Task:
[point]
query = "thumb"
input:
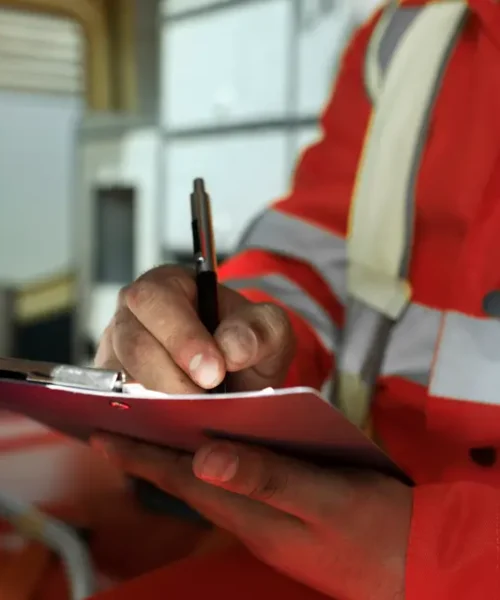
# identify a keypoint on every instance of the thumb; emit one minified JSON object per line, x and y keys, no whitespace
{"x":258,"y":345}
{"x":290,"y":486}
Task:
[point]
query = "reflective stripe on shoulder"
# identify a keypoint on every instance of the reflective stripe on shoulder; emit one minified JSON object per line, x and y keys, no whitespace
{"x":285,"y":235}
{"x":392,"y":26}
{"x":298,"y":300}
{"x":382,"y":210}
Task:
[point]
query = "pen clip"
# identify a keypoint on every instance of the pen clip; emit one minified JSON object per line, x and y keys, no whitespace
{"x":202,"y":229}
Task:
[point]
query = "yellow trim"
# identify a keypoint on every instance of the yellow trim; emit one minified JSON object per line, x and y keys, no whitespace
{"x":38,"y":301}
{"x":30,"y":523}
{"x":359,"y":172}
{"x":126,"y":61}
{"x":90,"y":15}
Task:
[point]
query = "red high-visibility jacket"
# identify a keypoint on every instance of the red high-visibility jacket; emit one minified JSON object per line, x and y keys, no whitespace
{"x":449,"y":446}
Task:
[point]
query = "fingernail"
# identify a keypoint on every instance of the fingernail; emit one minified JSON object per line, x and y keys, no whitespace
{"x":205,"y":371}
{"x":216,"y":465}
{"x":239,"y":344}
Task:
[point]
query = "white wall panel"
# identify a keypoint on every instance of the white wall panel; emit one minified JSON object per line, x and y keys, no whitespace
{"x":140,"y":164}
{"x":131,"y":158}
{"x":171,"y":8}
{"x":227,"y":66}
{"x":325,"y":28}
{"x":304,"y":137}
{"x":243,"y":174}
{"x":37,"y":191}
{"x":322,"y":37}
{"x":362,"y":9}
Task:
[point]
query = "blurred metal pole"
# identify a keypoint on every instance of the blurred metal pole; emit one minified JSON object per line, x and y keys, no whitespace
{"x":57,"y":536}
{"x":7,"y":318}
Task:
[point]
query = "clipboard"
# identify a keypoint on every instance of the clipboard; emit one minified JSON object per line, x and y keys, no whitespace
{"x":297,"y":422}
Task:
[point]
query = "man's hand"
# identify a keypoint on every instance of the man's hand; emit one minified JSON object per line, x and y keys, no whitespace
{"x":157,"y":338}
{"x":344,"y":534}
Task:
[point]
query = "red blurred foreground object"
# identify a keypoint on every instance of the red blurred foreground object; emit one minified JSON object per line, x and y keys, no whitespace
{"x":230,"y":573}
{"x":73,"y":483}
{"x":136,"y":554}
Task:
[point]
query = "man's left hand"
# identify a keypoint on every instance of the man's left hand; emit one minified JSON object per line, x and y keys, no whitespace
{"x":342,"y":533}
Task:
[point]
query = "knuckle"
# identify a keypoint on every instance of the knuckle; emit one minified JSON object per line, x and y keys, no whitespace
{"x":177,"y":476}
{"x":122,"y":296}
{"x":104,"y":354}
{"x":159,"y":285}
{"x":139,"y":350}
{"x":106,"y":334}
{"x":134,"y":346}
{"x":273,"y":485}
{"x":140,"y":294}
{"x":182,"y":282}
{"x":275,"y":321}
{"x":121,"y":318}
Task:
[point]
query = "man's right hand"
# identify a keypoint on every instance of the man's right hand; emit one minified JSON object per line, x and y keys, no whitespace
{"x":158,"y":339}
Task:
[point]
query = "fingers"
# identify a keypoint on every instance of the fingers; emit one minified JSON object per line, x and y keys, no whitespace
{"x":257,"y":337}
{"x":165,"y":308}
{"x":105,"y":357}
{"x":168,"y":470}
{"x":157,"y":337}
{"x":289,"y":486}
{"x":173,"y":473}
{"x":144,"y":358}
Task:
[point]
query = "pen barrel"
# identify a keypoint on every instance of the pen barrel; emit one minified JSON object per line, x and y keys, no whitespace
{"x":208,"y":309}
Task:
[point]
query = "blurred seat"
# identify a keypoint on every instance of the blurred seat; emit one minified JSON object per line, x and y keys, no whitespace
{"x":38,"y":319}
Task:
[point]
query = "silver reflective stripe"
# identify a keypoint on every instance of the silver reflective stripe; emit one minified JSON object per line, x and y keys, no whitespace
{"x":388,"y":33}
{"x":411,"y":347}
{"x":467,"y":365}
{"x":293,"y":296}
{"x":410,"y":353}
{"x":282,"y":234}
{"x":398,"y":25}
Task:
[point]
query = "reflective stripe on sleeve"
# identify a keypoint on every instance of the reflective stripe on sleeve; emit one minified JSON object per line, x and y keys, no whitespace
{"x":285,"y":235}
{"x":410,"y":353}
{"x":411,"y":347}
{"x":455,"y":355}
{"x":300,"y":302}
{"x":467,"y":365}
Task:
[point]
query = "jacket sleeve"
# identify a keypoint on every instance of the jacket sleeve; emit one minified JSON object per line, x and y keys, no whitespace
{"x":454,"y":549}
{"x":294,"y":253}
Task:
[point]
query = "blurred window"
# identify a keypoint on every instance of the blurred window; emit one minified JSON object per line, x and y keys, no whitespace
{"x":114,"y":250}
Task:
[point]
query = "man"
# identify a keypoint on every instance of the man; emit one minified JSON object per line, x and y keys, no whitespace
{"x":356,"y":536}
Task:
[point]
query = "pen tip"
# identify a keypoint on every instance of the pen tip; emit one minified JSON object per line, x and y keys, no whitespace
{"x":199,"y":185}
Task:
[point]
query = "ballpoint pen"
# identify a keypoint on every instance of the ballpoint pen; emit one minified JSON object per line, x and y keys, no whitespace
{"x":205,"y":259}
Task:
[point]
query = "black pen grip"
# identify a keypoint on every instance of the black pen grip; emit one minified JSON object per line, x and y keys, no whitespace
{"x":208,"y":309}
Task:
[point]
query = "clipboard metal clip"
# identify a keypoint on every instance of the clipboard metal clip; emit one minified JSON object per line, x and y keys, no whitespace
{"x":42,"y":373}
